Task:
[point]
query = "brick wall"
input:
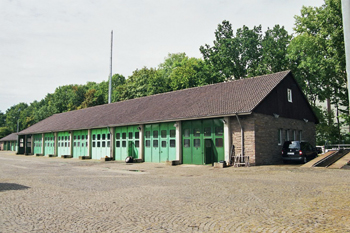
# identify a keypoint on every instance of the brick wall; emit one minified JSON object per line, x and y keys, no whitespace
{"x":261,"y":136}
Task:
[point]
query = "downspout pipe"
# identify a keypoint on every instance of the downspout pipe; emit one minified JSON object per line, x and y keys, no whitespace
{"x":242,"y":135}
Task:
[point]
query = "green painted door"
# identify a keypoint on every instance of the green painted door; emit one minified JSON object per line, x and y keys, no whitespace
{"x":203,"y":141}
{"x":101,"y":141}
{"x":38,"y":144}
{"x":218,"y":140}
{"x":147,"y":144}
{"x":49,"y":144}
{"x":80,"y":143}
{"x":155,"y":144}
{"x":63,"y":143}
{"x":197,"y":141}
{"x":160,"y":144}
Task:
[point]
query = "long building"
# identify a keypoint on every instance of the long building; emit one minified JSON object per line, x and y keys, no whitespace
{"x":9,"y":142}
{"x":201,"y":125}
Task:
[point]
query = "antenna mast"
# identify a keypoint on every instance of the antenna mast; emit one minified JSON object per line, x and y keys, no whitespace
{"x":110,"y":74}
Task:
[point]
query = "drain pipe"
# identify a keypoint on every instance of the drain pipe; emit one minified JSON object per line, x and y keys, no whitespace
{"x":242,"y":135}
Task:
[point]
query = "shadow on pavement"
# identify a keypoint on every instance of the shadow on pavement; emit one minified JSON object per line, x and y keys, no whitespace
{"x":12,"y":186}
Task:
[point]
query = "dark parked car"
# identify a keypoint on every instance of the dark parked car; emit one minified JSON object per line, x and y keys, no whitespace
{"x":298,"y":151}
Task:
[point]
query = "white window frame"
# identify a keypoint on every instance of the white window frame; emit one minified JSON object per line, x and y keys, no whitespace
{"x":289,"y":95}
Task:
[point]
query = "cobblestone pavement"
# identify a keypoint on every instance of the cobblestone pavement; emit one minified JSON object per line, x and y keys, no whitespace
{"x":40,"y":194}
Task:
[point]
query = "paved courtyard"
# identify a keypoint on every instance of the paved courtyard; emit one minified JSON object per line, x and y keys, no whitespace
{"x":40,"y":194}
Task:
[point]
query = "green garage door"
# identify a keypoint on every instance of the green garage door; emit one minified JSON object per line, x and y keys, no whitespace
{"x":80,"y":143}
{"x":49,"y":144}
{"x":203,"y":141}
{"x":38,"y":144}
{"x":127,"y":142}
{"x":101,"y":140}
{"x":159,"y":142}
{"x":63,"y":143}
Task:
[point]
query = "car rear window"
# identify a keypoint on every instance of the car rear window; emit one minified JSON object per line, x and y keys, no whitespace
{"x":292,"y":145}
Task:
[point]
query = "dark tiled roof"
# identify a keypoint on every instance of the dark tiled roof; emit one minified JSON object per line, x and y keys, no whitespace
{"x":239,"y":96}
{"x":10,"y":137}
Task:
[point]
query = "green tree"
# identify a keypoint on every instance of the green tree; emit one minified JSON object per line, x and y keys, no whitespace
{"x":4,"y":131}
{"x":15,"y":114}
{"x":248,"y":52}
{"x":2,"y":119}
{"x":318,"y":59}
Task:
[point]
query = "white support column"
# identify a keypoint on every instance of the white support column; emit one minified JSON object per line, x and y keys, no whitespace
{"x":112,"y":143}
{"x":55,"y":144}
{"x":71,"y":143}
{"x":178,"y":142}
{"x":227,"y":139}
{"x":141,"y":144}
{"x":89,"y":144}
{"x":42,"y":144}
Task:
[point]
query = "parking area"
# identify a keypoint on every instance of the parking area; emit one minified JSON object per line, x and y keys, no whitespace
{"x":41,"y":194}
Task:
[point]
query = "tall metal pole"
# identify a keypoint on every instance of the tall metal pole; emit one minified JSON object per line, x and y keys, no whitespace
{"x":110,"y":74}
{"x":346,"y":27}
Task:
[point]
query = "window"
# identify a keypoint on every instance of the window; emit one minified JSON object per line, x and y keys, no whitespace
{"x":108,"y":144}
{"x":289,"y":95}
{"x":123,"y":143}
{"x":287,"y":135}
{"x":130,"y":135}
{"x":103,"y":136}
{"x":137,"y":135}
{"x":148,"y":134}
{"x":65,"y":138}
{"x":117,"y":143}
{"x":123,"y":135}
{"x":148,"y":143}
{"x":118,"y":136}
{"x":78,"y":144}
{"x":196,"y":143}
{"x":294,"y":135}
{"x":155,"y":143}
{"x":163,"y":133}
{"x":187,"y":133}
{"x":78,"y":137}
{"x":219,"y":131}
{"x":186,"y":142}
{"x":172,"y":143}
{"x":94,"y":137}
{"x":207,"y":131}
{"x":163,"y":144}
{"x":155,"y":133}
{"x":75,"y":144}
{"x":82,"y":137}
{"x":98,"y":144}
{"x":196,"y":132}
{"x":137,"y":143}
{"x":103,"y":144}
{"x":219,"y":142}
{"x":279,"y":136}
{"x":108,"y":136}
{"x":98,"y":137}
{"x":172,"y":133}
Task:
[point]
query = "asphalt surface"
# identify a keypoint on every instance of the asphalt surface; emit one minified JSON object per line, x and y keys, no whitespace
{"x":40,"y":194}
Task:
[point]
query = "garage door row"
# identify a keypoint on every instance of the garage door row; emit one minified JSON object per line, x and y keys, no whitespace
{"x":202,"y":142}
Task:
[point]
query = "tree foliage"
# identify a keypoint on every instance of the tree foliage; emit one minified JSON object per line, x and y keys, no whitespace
{"x":247,"y":53}
{"x":318,"y":60}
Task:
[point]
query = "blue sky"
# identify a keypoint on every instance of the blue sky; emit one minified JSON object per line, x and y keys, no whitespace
{"x":49,"y":43}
